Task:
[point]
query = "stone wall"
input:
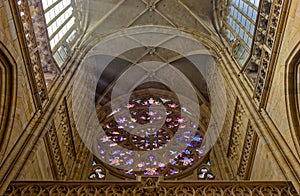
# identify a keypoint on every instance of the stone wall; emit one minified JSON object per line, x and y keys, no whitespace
{"x":276,"y":107}
{"x":27,"y":153}
{"x":25,"y":107}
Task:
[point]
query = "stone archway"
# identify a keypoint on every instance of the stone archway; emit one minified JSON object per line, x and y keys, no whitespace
{"x":292,"y":88}
{"x":7,"y":96}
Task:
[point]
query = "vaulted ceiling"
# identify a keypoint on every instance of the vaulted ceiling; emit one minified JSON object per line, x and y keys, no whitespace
{"x":107,"y":16}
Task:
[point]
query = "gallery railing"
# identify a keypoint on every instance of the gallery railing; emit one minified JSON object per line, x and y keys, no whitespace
{"x":151,"y":187}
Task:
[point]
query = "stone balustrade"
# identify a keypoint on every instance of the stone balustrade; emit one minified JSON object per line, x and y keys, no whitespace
{"x":151,"y":187}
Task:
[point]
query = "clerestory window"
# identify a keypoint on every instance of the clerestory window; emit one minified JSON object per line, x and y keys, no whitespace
{"x":60,"y":20}
{"x":240,"y":26}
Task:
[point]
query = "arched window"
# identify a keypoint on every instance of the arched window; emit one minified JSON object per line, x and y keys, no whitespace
{"x":240,"y":25}
{"x":98,"y":173}
{"x":60,"y":22}
{"x":204,"y":173}
{"x":252,"y":28}
{"x":50,"y":30}
{"x":124,"y":131}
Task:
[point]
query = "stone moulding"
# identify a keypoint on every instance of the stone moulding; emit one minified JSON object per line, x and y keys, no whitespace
{"x":53,"y":143}
{"x":66,"y":130}
{"x":151,"y":187}
{"x":235,"y":137}
{"x":33,"y":50}
{"x":271,"y":21}
{"x":249,"y":147}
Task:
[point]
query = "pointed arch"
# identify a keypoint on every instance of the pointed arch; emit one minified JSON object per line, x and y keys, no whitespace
{"x":8,"y":83}
{"x":292,"y":89}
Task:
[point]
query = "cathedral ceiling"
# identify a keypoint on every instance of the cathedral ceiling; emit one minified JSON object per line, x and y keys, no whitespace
{"x":109,"y":16}
{"x":105,"y":17}
{"x":119,"y":65}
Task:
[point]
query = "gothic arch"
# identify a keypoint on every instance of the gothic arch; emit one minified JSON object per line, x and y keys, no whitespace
{"x":8,"y":84}
{"x":292,"y":89}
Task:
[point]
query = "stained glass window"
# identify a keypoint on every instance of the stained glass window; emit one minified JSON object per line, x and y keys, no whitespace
{"x":151,"y":137}
{"x":98,"y":173}
{"x":204,"y":173}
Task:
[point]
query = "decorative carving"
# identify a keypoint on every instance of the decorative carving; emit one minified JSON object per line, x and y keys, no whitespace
{"x":66,"y":132}
{"x":41,"y":35}
{"x":223,"y":30}
{"x":32,"y":46}
{"x":55,"y":151}
{"x":264,"y":42}
{"x":155,"y":188}
{"x":236,"y":132}
{"x":234,"y":45}
{"x":149,"y":187}
{"x":249,"y":146}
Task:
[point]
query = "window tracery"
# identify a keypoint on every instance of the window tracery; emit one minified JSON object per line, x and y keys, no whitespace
{"x":204,"y":173}
{"x":151,"y":138}
{"x":98,"y":173}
